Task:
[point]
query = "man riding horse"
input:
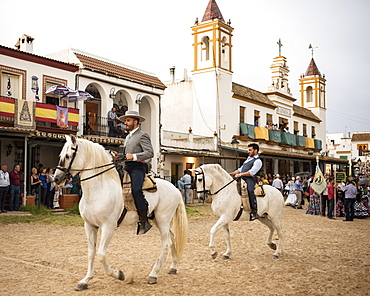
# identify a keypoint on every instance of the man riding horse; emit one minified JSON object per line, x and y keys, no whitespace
{"x":248,"y":171}
{"x":138,"y":152}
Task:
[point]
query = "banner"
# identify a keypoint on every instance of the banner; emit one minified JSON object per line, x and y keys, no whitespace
{"x":24,"y":115}
{"x":62,"y":117}
{"x":319,"y":183}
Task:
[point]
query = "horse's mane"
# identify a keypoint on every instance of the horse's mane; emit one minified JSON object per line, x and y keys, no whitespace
{"x":218,"y":168}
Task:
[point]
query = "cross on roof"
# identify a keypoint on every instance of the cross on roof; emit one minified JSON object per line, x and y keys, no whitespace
{"x":280,"y":45}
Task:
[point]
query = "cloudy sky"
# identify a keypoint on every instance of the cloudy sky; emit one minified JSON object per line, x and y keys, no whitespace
{"x":156,"y":34}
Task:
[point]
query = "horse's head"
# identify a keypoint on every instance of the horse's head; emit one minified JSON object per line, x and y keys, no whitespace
{"x":203,"y":181}
{"x":67,"y":160}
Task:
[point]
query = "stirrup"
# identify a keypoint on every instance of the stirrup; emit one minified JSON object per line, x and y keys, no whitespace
{"x":143,"y":227}
{"x":254,"y":216}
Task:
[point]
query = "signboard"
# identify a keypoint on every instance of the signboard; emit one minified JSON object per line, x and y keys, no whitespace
{"x":283,"y":111}
{"x":340,"y":177}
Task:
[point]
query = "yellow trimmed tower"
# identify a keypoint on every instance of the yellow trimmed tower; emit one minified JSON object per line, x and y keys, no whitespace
{"x":313,"y":94}
{"x":212,"y":72}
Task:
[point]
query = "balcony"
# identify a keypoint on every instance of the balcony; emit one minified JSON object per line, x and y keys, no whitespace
{"x":274,"y":137}
{"x":98,"y":126}
{"x":42,"y":116}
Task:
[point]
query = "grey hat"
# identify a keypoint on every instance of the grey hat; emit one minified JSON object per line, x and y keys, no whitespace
{"x":133,"y":114}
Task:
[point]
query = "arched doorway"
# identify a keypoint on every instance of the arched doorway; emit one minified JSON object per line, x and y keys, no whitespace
{"x":92,"y":118}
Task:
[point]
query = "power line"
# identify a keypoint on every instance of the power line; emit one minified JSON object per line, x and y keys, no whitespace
{"x":349,"y":118}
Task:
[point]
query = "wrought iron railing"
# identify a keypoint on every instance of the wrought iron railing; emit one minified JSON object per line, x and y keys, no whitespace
{"x":98,"y":126}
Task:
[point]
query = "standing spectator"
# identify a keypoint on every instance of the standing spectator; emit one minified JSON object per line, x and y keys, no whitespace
{"x":50,"y":188}
{"x":340,"y":204}
{"x":269,"y":179}
{"x":324,"y":200}
{"x":15,"y":188}
{"x":112,"y":117}
{"x":35,"y":184}
{"x":331,"y":198}
{"x":277,"y":183}
{"x":292,"y":198}
{"x":4,"y":186}
{"x":298,"y":190}
{"x":350,"y":192}
{"x":314,"y":204}
{"x":44,"y":186}
{"x":184,"y":184}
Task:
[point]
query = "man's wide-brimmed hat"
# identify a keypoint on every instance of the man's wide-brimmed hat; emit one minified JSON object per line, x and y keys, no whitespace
{"x":133,"y":114}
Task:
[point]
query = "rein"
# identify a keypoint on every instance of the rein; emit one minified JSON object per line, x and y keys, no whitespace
{"x":204,"y":184}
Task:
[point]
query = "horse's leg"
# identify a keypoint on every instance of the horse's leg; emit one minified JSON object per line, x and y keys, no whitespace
{"x":173,"y":267}
{"x":276,"y":223}
{"x":91,"y":233}
{"x":227,"y":254}
{"x":164,"y":229}
{"x":268,"y":223}
{"x":220,"y":223}
{"x":106,"y":236}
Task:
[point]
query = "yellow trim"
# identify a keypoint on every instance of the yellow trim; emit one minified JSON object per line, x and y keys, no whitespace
{"x":342,"y":152}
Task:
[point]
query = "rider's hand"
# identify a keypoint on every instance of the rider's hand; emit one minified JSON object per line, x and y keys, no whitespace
{"x":129,"y":156}
{"x":114,"y":154}
{"x":238,"y":175}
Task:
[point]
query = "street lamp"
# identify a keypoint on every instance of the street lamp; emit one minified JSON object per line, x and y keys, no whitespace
{"x":235,"y":144}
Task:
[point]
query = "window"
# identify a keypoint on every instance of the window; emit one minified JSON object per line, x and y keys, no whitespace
{"x":256,"y":117}
{"x":362,"y":149}
{"x":10,"y":85}
{"x":268,"y":118}
{"x":205,"y":49}
{"x":242,"y":114}
{"x":296,"y":129}
{"x":50,"y":98}
{"x":313,"y":132}
{"x":309,"y":94}
{"x":322,"y":97}
{"x":305,"y":130}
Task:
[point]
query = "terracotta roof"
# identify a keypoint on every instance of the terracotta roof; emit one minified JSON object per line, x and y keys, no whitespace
{"x":312,"y":69}
{"x":110,"y":68}
{"x":361,"y":137}
{"x":298,"y":110}
{"x":212,"y":12}
{"x":251,"y":94}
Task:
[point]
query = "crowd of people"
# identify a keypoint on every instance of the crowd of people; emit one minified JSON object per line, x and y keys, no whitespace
{"x":349,"y":200}
{"x":42,"y":187}
{"x":276,"y":127}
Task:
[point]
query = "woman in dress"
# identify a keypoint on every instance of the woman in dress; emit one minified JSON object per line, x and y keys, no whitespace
{"x":292,"y":198}
{"x":50,"y":188}
{"x":359,"y":206}
{"x":35,"y":184}
{"x":44,"y":186}
{"x":314,"y":204}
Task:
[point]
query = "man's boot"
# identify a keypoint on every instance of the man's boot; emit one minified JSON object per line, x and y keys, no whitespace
{"x":254,"y":215}
{"x":143,"y":225}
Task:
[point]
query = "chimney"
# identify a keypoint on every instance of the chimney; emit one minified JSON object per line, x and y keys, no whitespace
{"x":25,"y":43}
{"x":172,"y":74}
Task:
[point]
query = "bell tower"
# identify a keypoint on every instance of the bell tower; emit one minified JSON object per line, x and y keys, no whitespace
{"x":313,"y":93}
{"x":212,"y":71}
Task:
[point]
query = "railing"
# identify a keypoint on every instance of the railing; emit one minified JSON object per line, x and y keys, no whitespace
{"x":98,"y":126}
{"x":278,"y":137}
{"x":188,"y":141}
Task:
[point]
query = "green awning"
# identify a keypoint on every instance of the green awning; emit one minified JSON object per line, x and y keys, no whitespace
{"x":288,"y":139}
{"x":247,"y":130}
{"x":301,"y":141}
{"x":275,"y":136}
{"x":318,"y":144}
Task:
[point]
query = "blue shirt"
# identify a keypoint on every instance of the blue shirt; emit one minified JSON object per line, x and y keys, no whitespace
{"x":256,"y":166}
{"x":298,"y":185}
{"x":44,"y":184}
{"x":350,"y":191}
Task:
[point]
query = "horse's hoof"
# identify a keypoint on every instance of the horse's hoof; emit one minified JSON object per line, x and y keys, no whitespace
{"x":152,"y":280}
{"x":225,"y":257}
{"x":81,"y":287}
{"x":121,"y":277}
{"x":272,"y":246}
{"x":172,"y":271}
{"x":275,"y":257}
{"x":214,"y":255}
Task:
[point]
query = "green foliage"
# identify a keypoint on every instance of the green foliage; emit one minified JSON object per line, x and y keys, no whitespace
{"x":74,"y":210}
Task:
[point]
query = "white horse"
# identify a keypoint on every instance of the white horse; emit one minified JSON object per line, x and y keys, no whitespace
{"x":226,"y":203}
{"x":102,"y":204}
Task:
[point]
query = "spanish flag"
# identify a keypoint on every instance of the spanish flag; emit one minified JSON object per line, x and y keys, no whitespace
{"x":319,"y":183}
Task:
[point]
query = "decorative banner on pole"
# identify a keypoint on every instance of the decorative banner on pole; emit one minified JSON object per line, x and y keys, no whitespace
{"x":62,"y":117}
{"x":24,"y":115}
{"x":319,"y":183}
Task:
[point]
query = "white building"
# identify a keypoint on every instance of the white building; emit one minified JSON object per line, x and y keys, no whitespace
{"x":210,"y":107}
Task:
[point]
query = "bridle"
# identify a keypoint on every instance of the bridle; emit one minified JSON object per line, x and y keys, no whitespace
{"x":207,"y":191}
{"x":67,"y":171}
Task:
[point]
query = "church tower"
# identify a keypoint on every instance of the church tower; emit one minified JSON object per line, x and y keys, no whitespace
{"x":212,"y":72}
{"x":313,"y":94}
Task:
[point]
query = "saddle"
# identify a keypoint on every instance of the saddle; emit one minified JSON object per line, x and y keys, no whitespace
{"x":242,"y":190}
{"x":148,"y":185}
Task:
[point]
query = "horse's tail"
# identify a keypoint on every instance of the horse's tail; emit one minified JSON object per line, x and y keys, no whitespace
{"x":180,"y":228}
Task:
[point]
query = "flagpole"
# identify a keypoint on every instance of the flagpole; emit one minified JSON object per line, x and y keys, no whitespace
{"x":317,"y":167}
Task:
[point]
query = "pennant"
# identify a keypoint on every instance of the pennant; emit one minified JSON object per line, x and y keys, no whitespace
{"x":62,"y":117}
{"x":319,"y":183}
